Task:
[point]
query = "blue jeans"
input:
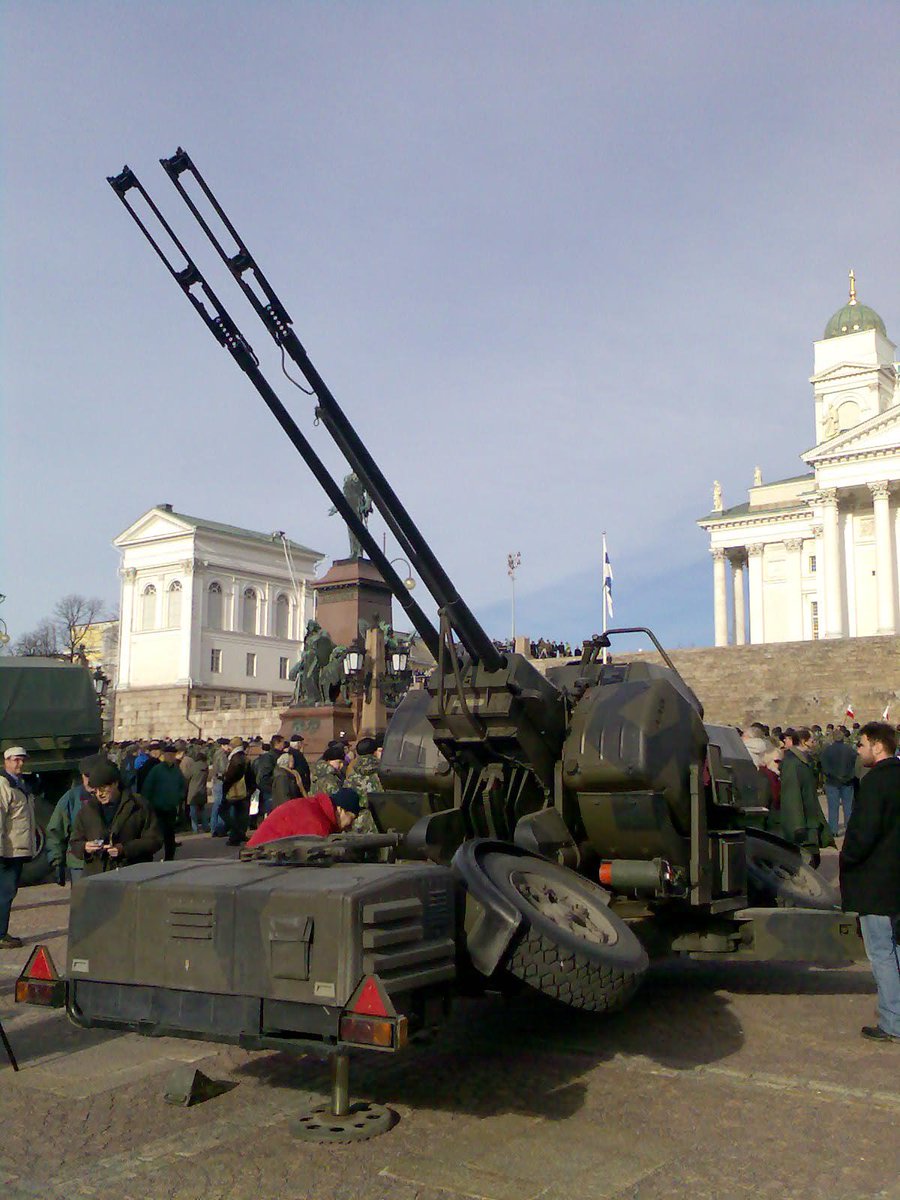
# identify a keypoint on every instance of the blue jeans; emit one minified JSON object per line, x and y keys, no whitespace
{"x":835,"y":793}
{"x":885,"y":959}
{"x":75,"y":873}
{"x":197,"y":823}
{"x":216,"y":824}
{"x":10,"y":873}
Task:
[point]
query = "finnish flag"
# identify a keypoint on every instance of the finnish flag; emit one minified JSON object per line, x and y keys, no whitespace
{"x":607,"y":580}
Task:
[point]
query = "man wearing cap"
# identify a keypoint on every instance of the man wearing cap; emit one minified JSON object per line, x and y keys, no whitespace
{"x":236,"y":788}
{"x":195,"y":769}
{"x":318,"y":816}
{"x":300,"y":764}
{"x":164,"y":790}
{"x":328,"y":774}
{"x":17,"y":836}
{"x":59,"y":828}
{"x":363,"y":778}
{"x":154,"y":753}
{"x":115,"y":827}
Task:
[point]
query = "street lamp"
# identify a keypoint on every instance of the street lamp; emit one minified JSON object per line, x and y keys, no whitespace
{"x":409,"y":583}
{"x":513,"y":562}
{"x":399,"y":660}
{"x":101,"y":682}
{"x":354,"y":659}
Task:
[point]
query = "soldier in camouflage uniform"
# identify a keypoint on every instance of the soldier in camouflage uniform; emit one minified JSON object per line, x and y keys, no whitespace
{"x":328,"y":773}
{"x":363,"y":778}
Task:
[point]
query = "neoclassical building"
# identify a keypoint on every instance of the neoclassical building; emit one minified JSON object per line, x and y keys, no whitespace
{"x":816,"y":555}
{"x":211,"y":606}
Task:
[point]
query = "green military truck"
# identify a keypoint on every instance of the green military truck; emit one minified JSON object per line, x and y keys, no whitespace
{"x":49,"y":707}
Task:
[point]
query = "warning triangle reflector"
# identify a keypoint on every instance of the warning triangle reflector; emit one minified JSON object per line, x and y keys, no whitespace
{"x":40,"y":965}
{"x":369,"y":1000}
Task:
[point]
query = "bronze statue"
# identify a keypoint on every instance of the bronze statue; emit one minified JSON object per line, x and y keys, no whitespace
{"x":361,"y":503}
{"x":317,"y":649}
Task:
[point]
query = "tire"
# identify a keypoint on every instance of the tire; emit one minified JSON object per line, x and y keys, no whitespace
{"x":572,"y":948}
{"x":38,"y":869}
{"x":778,"y":876}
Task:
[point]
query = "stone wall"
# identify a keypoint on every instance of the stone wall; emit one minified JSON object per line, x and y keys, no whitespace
{"x":165,"y":712}
{"x":793,"y":682}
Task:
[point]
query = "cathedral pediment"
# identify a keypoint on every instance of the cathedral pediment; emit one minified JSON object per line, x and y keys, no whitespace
{"x":152,"y":526}
{"x":842,"y":370}
{"x":874,"y":436}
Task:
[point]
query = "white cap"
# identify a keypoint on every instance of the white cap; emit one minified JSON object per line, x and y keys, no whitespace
{"x":15,"y":752}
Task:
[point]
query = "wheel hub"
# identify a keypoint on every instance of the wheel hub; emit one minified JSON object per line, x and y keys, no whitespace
{"x":564,"y":907}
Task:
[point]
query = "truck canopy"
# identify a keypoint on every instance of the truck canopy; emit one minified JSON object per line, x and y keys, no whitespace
{"x":50,"y":708}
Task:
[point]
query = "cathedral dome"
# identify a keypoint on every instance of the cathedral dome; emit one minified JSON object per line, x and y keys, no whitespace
{"x":853,"y":317}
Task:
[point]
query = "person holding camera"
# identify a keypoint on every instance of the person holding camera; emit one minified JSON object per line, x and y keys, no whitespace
{"x":114,"y":827}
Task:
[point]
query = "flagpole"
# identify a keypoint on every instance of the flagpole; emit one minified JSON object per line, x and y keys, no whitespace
{"x":603,"y":602}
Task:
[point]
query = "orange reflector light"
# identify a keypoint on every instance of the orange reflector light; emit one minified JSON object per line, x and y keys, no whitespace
{"x":606,"y":874}
{"x":369,"y":1000}
{"x":50,"y":992}
{"x":39,"y":982}
{"x":381,"y":1032}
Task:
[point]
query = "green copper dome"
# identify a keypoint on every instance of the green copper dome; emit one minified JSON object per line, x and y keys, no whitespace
{"x":853,"y":317}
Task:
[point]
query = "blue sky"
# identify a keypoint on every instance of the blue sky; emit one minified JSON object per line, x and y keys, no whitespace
{"x":563,"y":265}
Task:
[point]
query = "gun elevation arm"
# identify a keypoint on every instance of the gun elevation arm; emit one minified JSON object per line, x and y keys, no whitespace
{"x":278,"y":322}
{"x":192,"y":282}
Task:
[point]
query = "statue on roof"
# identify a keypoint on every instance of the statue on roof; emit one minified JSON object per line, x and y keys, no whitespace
{"x":757,"y":477}
{"x":717,"y":496}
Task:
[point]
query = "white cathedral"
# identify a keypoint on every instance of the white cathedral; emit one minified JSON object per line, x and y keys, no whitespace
{"x":816,"y":556}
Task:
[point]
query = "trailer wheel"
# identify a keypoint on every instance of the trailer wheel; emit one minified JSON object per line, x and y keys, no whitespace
{"x":572,"y":947}
{"x":778,"y":876}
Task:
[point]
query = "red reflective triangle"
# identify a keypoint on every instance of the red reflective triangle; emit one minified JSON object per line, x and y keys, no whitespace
{"x":40,"y":965}
{"x":370,"y":1001}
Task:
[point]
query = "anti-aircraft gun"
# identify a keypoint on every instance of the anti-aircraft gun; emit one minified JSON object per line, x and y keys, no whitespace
{"x":552,"y":828}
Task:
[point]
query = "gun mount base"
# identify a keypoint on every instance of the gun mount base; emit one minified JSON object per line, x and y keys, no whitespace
{"x":341,"y":1121}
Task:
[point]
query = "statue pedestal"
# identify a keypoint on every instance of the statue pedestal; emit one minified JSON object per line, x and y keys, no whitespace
{"x":351,"y":591}
{"x":319,"y":726}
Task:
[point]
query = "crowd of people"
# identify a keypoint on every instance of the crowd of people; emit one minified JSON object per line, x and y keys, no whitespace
{"x":131,"y":801}
{"x":858,"y":769}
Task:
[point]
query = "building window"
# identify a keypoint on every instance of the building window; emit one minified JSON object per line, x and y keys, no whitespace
{"x":214,"y":607}
{"x":248,"y":621}
{"x":814,"y":612}
{"x":173,"y":616}
{"x":148,"y":607}
{"x":282,"y":614}
{"x":215,"y":662}
{"x":251,"y":665}
{"x":812,"y":564}
{"x":283,"y":667}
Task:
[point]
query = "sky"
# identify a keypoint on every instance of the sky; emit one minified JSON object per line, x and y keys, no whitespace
{"x":562,"y":264}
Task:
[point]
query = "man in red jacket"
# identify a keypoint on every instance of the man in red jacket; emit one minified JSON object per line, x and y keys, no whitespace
{"x":318,"y":815}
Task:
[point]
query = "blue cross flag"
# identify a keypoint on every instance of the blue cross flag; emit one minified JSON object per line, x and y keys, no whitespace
{"x":607,"y":580}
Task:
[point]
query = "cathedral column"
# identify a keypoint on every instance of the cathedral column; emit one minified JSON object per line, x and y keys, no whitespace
{"x":835,"y":620}
{"x":737,"y":579}
{"x":755,"y":572}
{"x":720,"y":597}
{"x":884,"y":556}
{"x":794,"y":548}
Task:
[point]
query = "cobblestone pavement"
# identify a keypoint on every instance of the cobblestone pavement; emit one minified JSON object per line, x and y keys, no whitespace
{"x":718,"y":1081}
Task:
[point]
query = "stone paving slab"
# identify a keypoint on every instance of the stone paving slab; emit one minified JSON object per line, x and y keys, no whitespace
{"x":719,"y":1081}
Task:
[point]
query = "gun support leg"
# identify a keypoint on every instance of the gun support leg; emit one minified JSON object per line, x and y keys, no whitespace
{"x":340,"y":1084}
{"x":339,"y":1120}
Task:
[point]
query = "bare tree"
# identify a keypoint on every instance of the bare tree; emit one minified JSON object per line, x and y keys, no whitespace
{"x":75,"y":617}
{"x":43,"y":640}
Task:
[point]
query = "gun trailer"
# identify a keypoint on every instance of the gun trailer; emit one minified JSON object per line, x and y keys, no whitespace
{"x":548,"y":831}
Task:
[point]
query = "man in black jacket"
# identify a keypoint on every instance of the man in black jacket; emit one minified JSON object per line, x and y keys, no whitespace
{"x":870,"y":871}
{"x":114,"y":827}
